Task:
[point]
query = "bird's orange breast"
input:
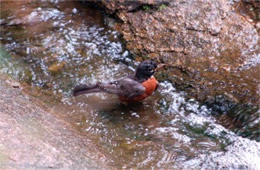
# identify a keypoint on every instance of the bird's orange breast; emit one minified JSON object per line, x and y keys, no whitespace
{"x":150,"y":86}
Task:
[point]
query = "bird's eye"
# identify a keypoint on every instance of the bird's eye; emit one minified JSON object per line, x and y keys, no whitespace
{"x":147,"y":67}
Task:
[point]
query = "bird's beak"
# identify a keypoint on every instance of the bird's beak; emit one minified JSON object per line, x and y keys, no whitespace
{"x":160,"y":66}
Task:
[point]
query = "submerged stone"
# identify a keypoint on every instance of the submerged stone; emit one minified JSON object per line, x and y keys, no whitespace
{"x":56,"y":67}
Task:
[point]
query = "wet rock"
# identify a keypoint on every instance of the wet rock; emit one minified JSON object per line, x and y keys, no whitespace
{"x":14,"y":84}
{"x":33,"y":138}
{"x":225,"y":160}
{"x":249,"y":8}
{"x":130,"y":6}
{"x":210,"y":45}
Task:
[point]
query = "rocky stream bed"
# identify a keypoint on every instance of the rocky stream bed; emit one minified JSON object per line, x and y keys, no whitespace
{"x":204,"y":115}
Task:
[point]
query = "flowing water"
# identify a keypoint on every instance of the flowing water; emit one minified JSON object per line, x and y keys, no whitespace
{"x":52,"y":46}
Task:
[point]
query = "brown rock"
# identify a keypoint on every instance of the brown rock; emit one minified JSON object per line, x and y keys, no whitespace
{"x":34,"y":138}
{"x":216,"y":46}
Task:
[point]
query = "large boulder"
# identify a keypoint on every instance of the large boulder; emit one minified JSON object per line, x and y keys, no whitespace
{"x":212,"y":49}
{"x":35,"y":138}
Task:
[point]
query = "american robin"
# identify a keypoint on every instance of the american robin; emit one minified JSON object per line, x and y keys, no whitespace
{"x":130,"y":89}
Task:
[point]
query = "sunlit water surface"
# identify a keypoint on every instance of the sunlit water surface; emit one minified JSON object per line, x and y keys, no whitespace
{"x":51,"y":47}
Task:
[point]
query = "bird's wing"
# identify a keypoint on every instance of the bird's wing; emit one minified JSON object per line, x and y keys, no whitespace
{"x":124,"y":87}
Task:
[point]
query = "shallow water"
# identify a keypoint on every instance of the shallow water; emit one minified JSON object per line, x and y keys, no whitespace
{"x":50,"y":47}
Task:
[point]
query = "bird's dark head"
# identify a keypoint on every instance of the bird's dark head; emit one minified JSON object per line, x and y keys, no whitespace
{"x":145,"y":70}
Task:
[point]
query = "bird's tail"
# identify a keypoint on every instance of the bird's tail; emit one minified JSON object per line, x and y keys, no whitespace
{"x":85,"y":89}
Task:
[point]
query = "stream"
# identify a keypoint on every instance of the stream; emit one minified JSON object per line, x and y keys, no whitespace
{"x":49,"y":47}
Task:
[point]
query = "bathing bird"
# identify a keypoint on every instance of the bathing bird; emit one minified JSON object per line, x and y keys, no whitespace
{"x":133,"y":88}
